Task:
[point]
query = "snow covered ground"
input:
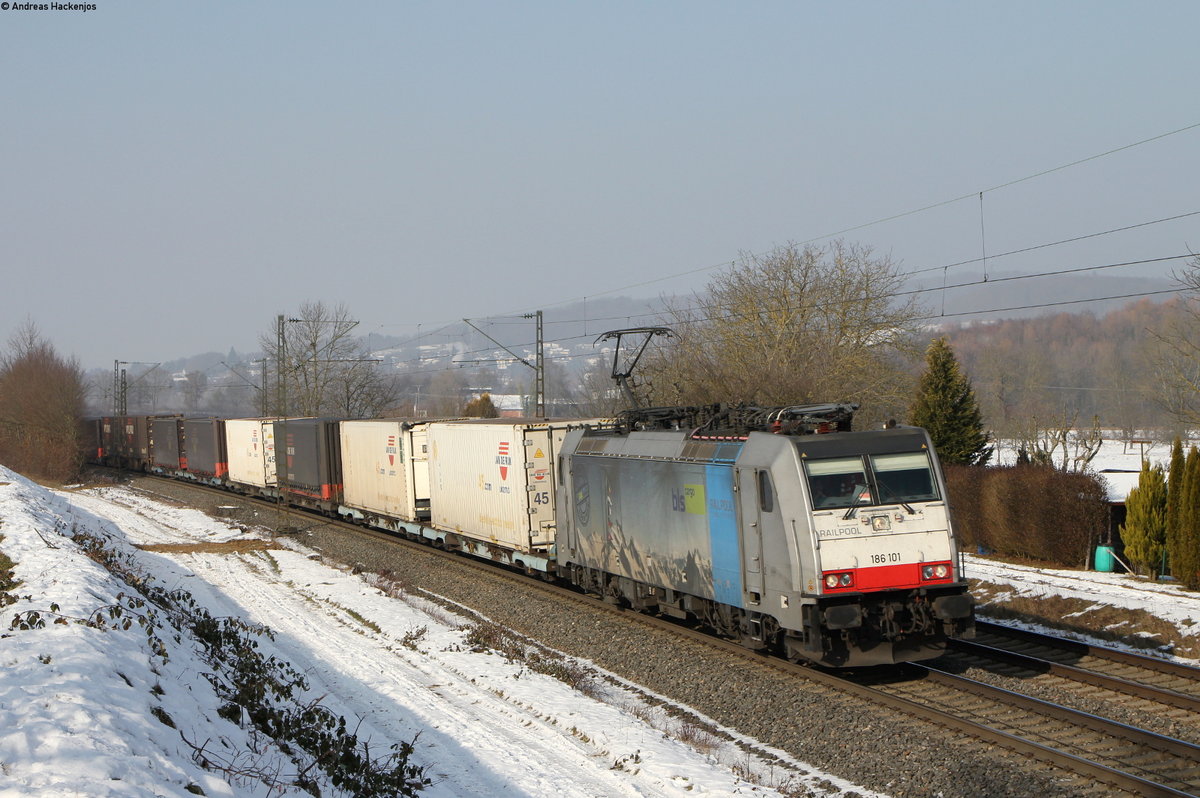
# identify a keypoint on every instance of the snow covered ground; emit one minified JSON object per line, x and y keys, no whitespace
{"x":84,"y":711}
{"x":1165,"y":600}
{"x":87,"y":711}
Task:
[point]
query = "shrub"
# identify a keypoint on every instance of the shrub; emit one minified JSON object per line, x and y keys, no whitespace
{"x":1028,"y":511}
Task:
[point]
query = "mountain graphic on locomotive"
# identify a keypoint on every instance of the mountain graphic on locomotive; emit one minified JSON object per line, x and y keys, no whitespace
{"x":780,"y":528}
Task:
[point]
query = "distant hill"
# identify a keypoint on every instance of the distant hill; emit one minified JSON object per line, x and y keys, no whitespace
{"x":1005,"y":296}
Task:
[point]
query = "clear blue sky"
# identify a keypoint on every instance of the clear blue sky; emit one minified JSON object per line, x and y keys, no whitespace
{"x":172,"y":175}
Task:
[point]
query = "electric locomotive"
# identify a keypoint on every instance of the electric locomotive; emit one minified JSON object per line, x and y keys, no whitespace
{"x":781,"y":528}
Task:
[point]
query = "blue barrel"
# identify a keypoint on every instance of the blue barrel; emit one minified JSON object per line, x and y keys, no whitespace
{"x":1104,"y":559}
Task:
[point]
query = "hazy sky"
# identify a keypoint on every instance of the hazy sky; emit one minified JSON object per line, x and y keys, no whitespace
{"x":175,"y":174}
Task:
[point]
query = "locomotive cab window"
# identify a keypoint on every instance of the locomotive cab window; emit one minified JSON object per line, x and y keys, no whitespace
{"x":766,"y":495}
{"x":904,"y":477}
{"x":837,"y":482}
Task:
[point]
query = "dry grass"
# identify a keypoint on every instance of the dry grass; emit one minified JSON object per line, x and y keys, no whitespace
{"x":229,"y":547}
{"x":1134,"y":628}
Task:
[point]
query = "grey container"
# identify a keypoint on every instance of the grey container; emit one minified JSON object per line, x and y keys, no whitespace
{"x":204,"y":447}
{"x":310,"y":460}
{"x":166,"y":443}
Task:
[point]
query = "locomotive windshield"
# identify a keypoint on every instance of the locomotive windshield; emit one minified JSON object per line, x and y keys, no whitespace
{"x":837,"y":482}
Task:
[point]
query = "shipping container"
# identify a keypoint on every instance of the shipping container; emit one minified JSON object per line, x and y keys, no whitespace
{"x":385,"y":469}
{"x":250,"y":445}
{"x":108,"y":441}
{"x":91,"y":441}
{"x":166,"y":444}
{"x":132,"y":442}
{"x":312,"y":460}
{"x":493,"y":479}
{"x":204,"y":446}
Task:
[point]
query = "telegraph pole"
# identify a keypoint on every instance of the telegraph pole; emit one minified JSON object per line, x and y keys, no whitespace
{"x":538,"y":366}
{"x":539,"y":369}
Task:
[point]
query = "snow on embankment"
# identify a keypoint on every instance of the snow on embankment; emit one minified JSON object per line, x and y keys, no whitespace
{"x":1167,"y":601}
{"x":80,"y":706}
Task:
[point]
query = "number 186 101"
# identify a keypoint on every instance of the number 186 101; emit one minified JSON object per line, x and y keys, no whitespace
{"x":883,"y":559}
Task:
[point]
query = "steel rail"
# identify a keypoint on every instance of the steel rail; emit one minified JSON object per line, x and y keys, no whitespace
{"x":1158,"y":694}
{"x":1079,"y":648}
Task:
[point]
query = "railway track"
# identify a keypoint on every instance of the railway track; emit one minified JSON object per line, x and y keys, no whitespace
{"x":1097,"y":750}
{"x":1152,"y":678}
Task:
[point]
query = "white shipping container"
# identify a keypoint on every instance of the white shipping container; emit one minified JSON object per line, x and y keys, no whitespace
{"x":385,"y":468}
{"x":250,"y":443}
{"x":494,"y":480}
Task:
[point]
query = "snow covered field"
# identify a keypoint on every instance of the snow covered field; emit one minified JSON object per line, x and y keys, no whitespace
{"x":87,"y":711}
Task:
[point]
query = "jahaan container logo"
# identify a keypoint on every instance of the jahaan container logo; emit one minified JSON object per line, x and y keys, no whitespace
{"x":504,"y":460}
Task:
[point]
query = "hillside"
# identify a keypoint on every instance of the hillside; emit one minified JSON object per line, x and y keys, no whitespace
{"x":1070,"y":365}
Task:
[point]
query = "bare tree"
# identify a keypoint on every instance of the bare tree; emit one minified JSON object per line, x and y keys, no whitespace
{"x":326,"y":370}
{"x":194,"y":388}
{"x":444,"y":395}
{"x":42,"y":401}
{"x":1177,"y":364}
{"x":595,"y":394}
{"x":1058,"y":441}
{"x":795,"y":325}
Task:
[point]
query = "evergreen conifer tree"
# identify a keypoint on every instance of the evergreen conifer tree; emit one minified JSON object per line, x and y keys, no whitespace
{"x":1176,"y":475}
{"x":947,"y":408}
{"x":1186,"y":564}
{"x":481,"y":407}
{"x":1145,"y":529}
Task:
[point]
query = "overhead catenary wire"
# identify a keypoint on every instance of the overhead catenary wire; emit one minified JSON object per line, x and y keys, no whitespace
{"x":718,"y":312}
{"x":943,"y":268}
{"x":1036,"y":306}
{"x":890,"y":218}
{"x":726,"y":263}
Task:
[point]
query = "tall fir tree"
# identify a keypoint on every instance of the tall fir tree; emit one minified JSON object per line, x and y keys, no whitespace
{"x":1145,"y":529}
{"x":947,"y":408}
{"x":1185,"y":563}
{"x":1176,"y":475}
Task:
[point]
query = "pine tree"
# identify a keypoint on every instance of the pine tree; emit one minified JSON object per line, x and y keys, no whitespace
{"x":1145,"y":528}
{"x":947,"y":408}
{"x":1176,"y":475}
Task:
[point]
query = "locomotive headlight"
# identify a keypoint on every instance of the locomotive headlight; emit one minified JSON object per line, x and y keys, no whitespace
{"x":939,"y":571}
{"x":840,"y":580}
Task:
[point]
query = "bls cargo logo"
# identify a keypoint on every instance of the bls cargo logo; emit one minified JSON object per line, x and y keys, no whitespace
{"x":504,"y":460}
{"x":688,"y":500}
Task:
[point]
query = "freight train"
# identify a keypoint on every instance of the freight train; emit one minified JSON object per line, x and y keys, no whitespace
{"x":781,"y":528}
